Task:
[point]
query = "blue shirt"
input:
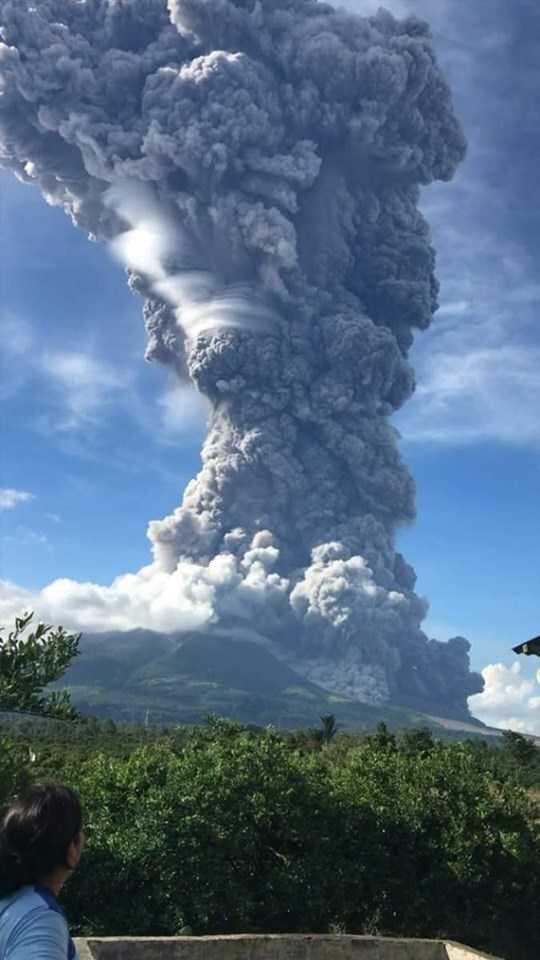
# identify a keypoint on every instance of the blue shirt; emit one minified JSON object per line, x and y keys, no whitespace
{"x":33,"y":926}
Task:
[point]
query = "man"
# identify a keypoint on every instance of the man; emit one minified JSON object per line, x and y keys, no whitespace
{"x":41,"y":841}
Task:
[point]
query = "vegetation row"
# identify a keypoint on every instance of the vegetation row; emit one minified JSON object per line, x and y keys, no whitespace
{"x":225,"y":829}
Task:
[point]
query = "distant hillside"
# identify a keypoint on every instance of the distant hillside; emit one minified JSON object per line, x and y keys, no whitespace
{"x":143,"y":675}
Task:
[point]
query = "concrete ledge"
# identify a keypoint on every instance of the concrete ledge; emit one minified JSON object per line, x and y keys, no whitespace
{"x":272,"y":947}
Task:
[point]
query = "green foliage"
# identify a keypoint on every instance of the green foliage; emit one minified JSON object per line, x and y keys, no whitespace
{"x":29,"y":662}
{"x":520,"y":754}
{"x":329,"y":727}
{"x":227,"y":829}
{"x":451,"y":851}
{"x":416,"y":740}
{"x":15,"y":758}
{"x":382,"y":739}
{"x":514,"y":757}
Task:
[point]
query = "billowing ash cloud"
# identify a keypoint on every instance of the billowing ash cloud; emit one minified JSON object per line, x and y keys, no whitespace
{"x":257,"y":164}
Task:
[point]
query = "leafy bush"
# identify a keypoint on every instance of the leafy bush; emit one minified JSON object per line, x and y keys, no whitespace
{"x":453,"y":852}
{"x":15,"y":759}
{"x":29,"y":662}
{"x":221,"y":829}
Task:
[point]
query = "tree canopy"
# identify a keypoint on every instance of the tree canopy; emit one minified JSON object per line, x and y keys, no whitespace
{"x":227,"y":829}
{"x":32,"y":659}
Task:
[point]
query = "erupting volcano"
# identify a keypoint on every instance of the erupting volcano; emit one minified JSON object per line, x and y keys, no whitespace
{"x":257,"y":164}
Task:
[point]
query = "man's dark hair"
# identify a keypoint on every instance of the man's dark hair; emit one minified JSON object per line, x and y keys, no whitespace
{"x":35,"y":833}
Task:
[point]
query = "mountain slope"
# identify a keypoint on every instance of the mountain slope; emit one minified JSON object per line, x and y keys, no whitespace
{"x":141,"y":675}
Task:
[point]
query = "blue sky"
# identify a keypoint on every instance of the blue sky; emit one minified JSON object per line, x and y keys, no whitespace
{"x":95,"y":442}
{"x":90,"y":422}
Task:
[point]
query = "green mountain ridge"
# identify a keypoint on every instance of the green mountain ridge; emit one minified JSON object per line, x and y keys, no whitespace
{"x":141,"y":676}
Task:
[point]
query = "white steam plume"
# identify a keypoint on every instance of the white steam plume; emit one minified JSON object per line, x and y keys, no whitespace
{"x":153,"y":240}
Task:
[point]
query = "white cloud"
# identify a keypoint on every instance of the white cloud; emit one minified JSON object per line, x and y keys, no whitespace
{"x":477,"y":366}
{"x":87,"y":386}
{"x":14,"y":601}
{"x":470,"y":393}
{"x":510,"y":700}
{"x":183,"y":411}
{"x":17,"y":335}
{"x":188,"y":597}
{"x":528,"y":293}
{"x":78,"y":387}
{"x":26,"y":537}
{"x":74,"y":385}
{"x":17,"y":351}
{"x":29,"y":537}
{"x":85,"y":383}
{"x":455,"y":309}
{"x":9,"y":498}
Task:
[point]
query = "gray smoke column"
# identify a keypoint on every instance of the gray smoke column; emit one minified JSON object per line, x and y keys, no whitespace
{"x":269,"y":155}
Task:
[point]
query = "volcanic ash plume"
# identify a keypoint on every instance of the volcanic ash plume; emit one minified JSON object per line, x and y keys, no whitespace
{"x":257,"y":165}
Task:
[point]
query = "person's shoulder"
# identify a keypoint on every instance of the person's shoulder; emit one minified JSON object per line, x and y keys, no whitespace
{"x":17,"y":904}
{"x":26,"y":900}
{"x":38,"y":926}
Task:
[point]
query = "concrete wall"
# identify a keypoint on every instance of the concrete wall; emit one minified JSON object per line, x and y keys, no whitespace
{"x":271,"y":947}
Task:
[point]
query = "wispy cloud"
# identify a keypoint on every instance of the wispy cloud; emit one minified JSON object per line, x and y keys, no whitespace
{"x":74,"y":385}
{"x":14,"y":601}
{"x":478,"y":367}
{"x":80,"y":390}
{"x":84,"y":385}
{"x":17,"y":351}
{"x":474,"y":393}
{"x":17,"y":335}
{"x":10,"y":498}
{"x":27,"y":537}
{"x":510,"y":700}
{"x":25,"y":541}
{"x":183,"y":411}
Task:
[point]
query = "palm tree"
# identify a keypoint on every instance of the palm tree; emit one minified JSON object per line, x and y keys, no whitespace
{"x":329,"y":728}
